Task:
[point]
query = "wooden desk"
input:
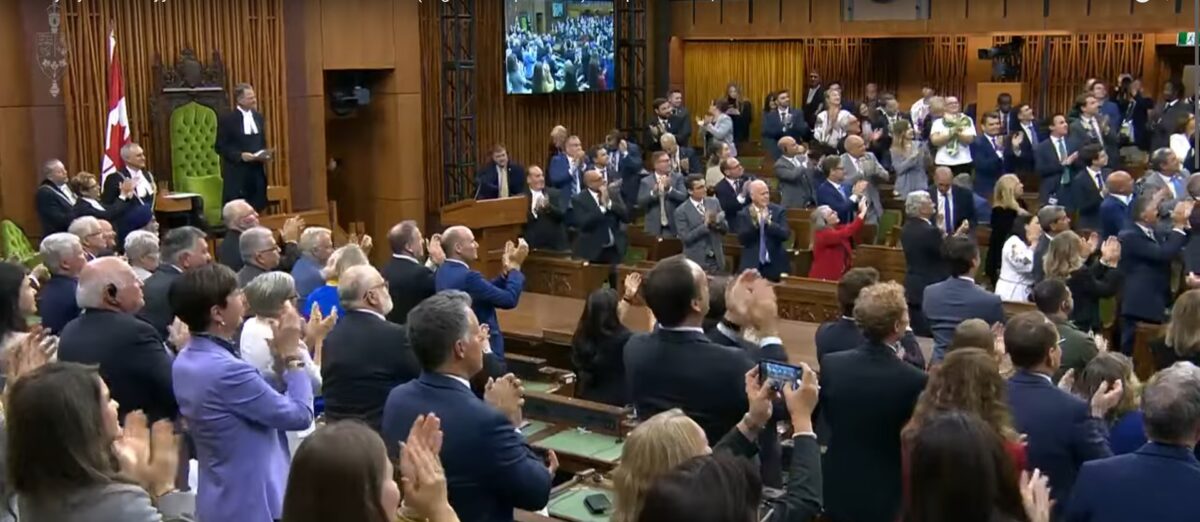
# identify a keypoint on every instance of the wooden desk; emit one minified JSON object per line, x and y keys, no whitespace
{"x":558,"y":274}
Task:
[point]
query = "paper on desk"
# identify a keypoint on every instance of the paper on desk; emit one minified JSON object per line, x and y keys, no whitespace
{"x":181,"y":195}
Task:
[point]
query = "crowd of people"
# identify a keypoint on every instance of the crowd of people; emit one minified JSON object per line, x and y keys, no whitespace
{"x":575,"y":55}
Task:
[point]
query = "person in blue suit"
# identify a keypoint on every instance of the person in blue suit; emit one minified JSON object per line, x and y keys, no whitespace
{"x":503,"y":292}
{"x":993,"y":155}
{"x":783,"y":121}
{"x":1055,"y":160}
{"x":1146,"y":256}
{"x":565,"y":172}
{"x":1062,"y":430}
{"x":1159,"y":481}
{"x":763,"y":229}
{"x":490,"y":468}
{"x":731,"y":192}
{"x":831,"y":193}
{"x":958,"y":298}
{"x":487,"y":179}
{"x":1114,"y":209}
{"x":62,"y":253}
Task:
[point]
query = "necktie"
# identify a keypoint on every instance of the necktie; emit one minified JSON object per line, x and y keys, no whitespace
{"x":763,"y":256}
{"x":1033,"y":134}
{"x":1177,"y":183}
{"x":1100,"y":181}
{"x":700,"y":208}
{"x":662,"y":207}
{"x":996,"y":145}
{"x":1062,"y":148}
{"x":1096,"y":131}
{"x":947,"y":212}
{"x":503,"y":173}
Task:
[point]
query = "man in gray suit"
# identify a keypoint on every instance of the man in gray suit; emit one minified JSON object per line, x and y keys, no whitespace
{"x":795,"y":175}
{"x":702,"y":227}
{"x":661,"y":191}
{"x":958,"y":298}
{"x":1165,"y":172}
{"x":860,"y":164}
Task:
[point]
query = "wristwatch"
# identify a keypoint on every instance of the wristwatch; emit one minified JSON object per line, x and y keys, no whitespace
{"x":295,"y":362}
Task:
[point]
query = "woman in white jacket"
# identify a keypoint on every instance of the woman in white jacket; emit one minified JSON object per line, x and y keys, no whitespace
{"x":832,"y":121}
{"x":1016,"y":260}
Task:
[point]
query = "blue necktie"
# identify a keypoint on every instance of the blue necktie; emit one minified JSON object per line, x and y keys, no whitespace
{"x":763,"y":256}
{"x":1177,"y":182}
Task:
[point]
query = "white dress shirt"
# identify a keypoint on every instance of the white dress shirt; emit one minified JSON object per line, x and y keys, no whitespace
{"x":248,"y":125}
{"x":66,"y":193}
{"x":596,"y":196}
{"x":142,"y":187}
{"x":535,"y":197}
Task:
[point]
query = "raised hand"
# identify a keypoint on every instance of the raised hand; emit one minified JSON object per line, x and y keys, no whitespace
{"x":738,"y":298}
{"x":802,"y":400}
{"x":291,"y":229}
{"x":423,"y":480}
{"x":507,"y":395}
{"x":365,"y":243}
{"x":1105,"y":399}
{"x":319,"y":325}
{"x":35,"y":350}
{"x":1017,"y":139}
{"x":1110,"y":251}
{"x":178,"y":334}
{"x":860,"y":187}
{"x":1035,"y":495}
{"x":285,"y":334}
{"x":435,"y":249}
{"x":758,"y":396}
{"x":1093,"y":242}
{"x":1067,"y":381}
{"x":127,"y":187}
{"x":633,"y":282}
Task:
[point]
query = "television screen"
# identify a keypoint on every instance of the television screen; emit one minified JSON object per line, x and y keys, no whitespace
{"x":558,"y":46}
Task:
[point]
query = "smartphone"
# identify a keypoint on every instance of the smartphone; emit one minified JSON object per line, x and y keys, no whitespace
{"x":776,"y":374}
{"x":597,"y":504}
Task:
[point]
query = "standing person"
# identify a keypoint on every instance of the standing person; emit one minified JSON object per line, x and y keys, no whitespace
{"x":242,"y":144}
{"x":139,"y":197}
{"x":783,"y":121}
{"x":922,"y":244}
{"x":599,"y":217}
{"x":183,"y":248}
{"x":660,"y":194}
{"x":1090,"y":277}
{"x":958,"y":298}
{"x":598,"y":344}
{"x":762,"y":229}
{"x":953,"y":134}
{"x":740,"y":110}
{"x":1054,"y":221}
{"x":909,"y":160}
{"x":991,"y":154}
{"x":500,"y":177}
{"x":832,"y":121}
{"x":1055,"y":162}
{"x":681,"y":117}
{"x":316,"y":245}
{"x":236,"y":418}
{"x":1168,"y":111}
{"x":862,"y":165}
{"x":702,"y":227}
{"x":1114,"y":209}
{"x":1016,"y":259}
{"x":832,"y":243}
{"x":63,"y":256}
{"x":1146,"y":257}
{"x":830,"y":191}
{"x":796,"y":174}
{"x":718,"y":126}
{"x":1054,"y":299}
{"x":1006,"y":207}
{"x":409,"y":274}
{"x":544,"y":227}
{"x":503,"y":292}
{"x":954,"y":205}
{"x":55,"y":200}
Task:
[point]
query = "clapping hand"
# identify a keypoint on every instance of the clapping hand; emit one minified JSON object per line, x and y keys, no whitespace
{"x":285,"y":334}
{"x":862,"y":207}
{"x":1105,"y":398}
{"x":860,"y":187}
{"x":35,"y":350}
{"x":127,"y":187}
{"x":633,"y":282}
{"x":1093,"y":242}
{"x":149,"y":455}
{"x":1035,"y":495}
{"x":434,"y":248}
{"x":1181,"y":213}
{"x":1017,"y":139}
{"x":507,"y":395}
{"x":1101,"y":343}
{"x":365,"y":243}
{"x":319,"y":326}
{"x":291,"y":229}
{"x":1067,"y":381}
{"x":738,"y":298}
{"x":178,"y":334}
{"x":1070,"y":158}
{"x":1110,"y":251}
{"x":423,"y":479}
{"x":963,"y":228}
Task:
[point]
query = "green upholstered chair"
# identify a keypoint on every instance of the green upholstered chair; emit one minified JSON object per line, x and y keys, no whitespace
{"x":195,"y":165}
{"x":16,"y":245}
{"x":889,"y":219}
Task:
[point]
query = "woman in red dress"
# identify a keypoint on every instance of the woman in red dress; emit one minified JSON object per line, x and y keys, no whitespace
{"x":831,"y":246}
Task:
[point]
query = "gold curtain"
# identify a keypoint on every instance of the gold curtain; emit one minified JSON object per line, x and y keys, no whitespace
{"x":758,"y":68}
{"x":247,"y":33}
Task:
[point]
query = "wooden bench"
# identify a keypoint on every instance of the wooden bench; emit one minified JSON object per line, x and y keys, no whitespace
{"x":809,"y":300}
{"x":889,"y":261}
{"x":657,"y":248}
{"x":1012,"y":308}
{"x":559,"y":274}
{"x":800,"y":221}
{"x":1143,"y":359}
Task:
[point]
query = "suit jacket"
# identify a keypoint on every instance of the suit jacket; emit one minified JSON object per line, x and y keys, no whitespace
{"x":502,"y":292}
{"x":1089,"y":284}
{"x":771,"y":455}
{"x":56,"y":302}
{"x":1164,"y":125}
{"x":1147,"y":268}
{"x":136,"y":211}
{"x":409,"y":283}
{"x":132,"y":358}
{"x":490,"y":468}
{"x":365,"y":357}
{"x":248,"y":273}
{"x":111,"y":213}
{"x":307,"y":274}
{"x":1061,"y":433}
{"x":157,"y":310}
{"x":777,"y":231}
{"x":1049,"y":167}
{"x":656,"y":205}
{"x":682,"y":123}
{"x":1110,"y":130}
{"x":598,"y":229}
{"x":547,"y":231}
{"x":1157,"y":482}
{"x":230,"y":254}
{"x":953,"y":301}
{"x":797,"y":184}
{"x":237,"y":421}
{"x":1114,"y":216}
{"x":773,"y":129}
{"x":874,"y":174}
{"x":867,"y":396}
{"x":1151,"y":182}
{"x":1086,"y":198}
{"x":1024,"y":163}
{"x":243,"y":179}
{"x":53,"y":209}
{"x":962,"y":207}
{"x":810,"y":108}
{"x":843,"y":334}
{"x":988,"y":165}
{"x":702,"y":243}
{"x":834,"y":197}
{"x":487,"y":181}
{"x":684,"y":369}
{"x":924,"y":266}
{"x":727,"y":193}
{"x":833,"y":250}
{"x":654,"y":132}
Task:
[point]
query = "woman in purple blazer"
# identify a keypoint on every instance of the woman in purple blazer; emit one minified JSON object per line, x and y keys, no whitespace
{"x":235,"y":417}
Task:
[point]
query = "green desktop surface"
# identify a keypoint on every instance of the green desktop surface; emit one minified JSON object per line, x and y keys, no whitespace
{"x":540,"y":387}
{"x":569,"y":504}
{"x":605,"y":448}
{"x":532,"y":427}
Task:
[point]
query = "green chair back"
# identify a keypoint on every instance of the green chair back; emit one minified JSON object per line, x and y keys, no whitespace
{"x":889,"y":219}
{"x":16,"y":245}
{"x":195,"y":165}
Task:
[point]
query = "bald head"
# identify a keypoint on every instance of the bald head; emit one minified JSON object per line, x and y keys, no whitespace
{"x":855,"y":146}
{"x":760,"y":193}
{"x":361,"y":287}
{"x":943,"y":177}
{"x":109,"y":283}
{"x":458,"y":242}
{"x":787,"y":145}
{"x":1120,"y":182}
{"x":239,"y":215}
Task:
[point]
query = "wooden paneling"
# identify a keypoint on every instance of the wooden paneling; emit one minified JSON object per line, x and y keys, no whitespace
{"x":708,"y":66}
{"x":1072,"y":60}
{"x":18,"y":179}
{"x":247,"y":33}
{"x":357,"y":34}
{"x":14,"y":61}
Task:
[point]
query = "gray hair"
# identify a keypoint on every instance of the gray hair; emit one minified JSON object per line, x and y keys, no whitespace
{"x":818,"y":218}
{"x":401,"y":235}
{"x":84,"y":226}
{"x":914,"y":201}
{"x":240,"y":89}
{"x":342,"y":259}
{"x":127,"y":149}
{"x":354,"y":284}
{"x":1171,"y":404}
{"x":229,"y":211}
{"x":140,"y":244}
{"x":254,"y":241}
{"x":436,"y":324}
{"x":99,"y":274}
{"x":57,"y":247}
{"x":311,"y":237}
{"x":1048,"y":214}
{"x":50,"y":166}
{"x":1158,"y":158}
{"x":267,"y":293}
{"x":963,"y":180}
{"x":179,"y":240}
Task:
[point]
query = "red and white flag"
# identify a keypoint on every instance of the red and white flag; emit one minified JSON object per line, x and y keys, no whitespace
{"x":116,"y":131}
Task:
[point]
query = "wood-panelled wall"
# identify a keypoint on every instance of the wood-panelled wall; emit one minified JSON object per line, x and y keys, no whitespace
{"x":1056,"y":66}
{"x":247,"y":33}
{"x":944,"y":64}
{"x":522,"y":123}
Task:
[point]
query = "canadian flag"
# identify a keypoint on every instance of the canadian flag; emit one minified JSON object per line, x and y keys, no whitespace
{"x":116,"y":133}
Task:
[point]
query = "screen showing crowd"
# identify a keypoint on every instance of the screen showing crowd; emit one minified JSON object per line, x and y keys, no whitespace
{"x":558,"y":46}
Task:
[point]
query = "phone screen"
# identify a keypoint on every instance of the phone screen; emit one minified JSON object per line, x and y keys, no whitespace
{"x":777,"y":373}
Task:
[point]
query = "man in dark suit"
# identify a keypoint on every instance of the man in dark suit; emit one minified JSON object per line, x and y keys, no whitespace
{"x":1025,"y":136}
{"x":814,"y":97}
{"x":682,"y":159}
{"x":599,"y":217}
{"x":702,"y":227}
{"x":566,"y":170}
{"x":676,"y":365}
{"x":731,"y":192}
{"x":626,"y":158}
{"x":1055,"y":161}
{"x":783,"y":121}
{"x":843,"y":334}
{"x":1094,"y":127}
{"x":409,"y":275}
{"x":658,"y":196}
{"x":489,"y":182}
{"x":1005,"y":112}
{"x":992,"y":154}
{"x":260,"y":253}
{"x":797,"y":176}
{"x":662,"y":123}
{"x":1114,"y":209}
{"x":1088,"y":185}
{"x":182,"y":249}
{"x":1159,"y":480}
{"x":862,"y":467}
{"x":490,"y":468}
{"x":831,"y":191}
{"x":1054,"y":221}
{"x":242,"y":144}
{"x":763,"y":228}
{"x":54,"y":199}
{"x":1164,"y":117}
{"x":922,"y":244}
{"x":958,"y":298}
{"x":952,"y":204}
{"x":239,"y":216}
{"x":139,"y":209}
{"x":132,"y":358}
{"x":544,"y":228}
{"x":503,"y":292}
{"x":681,"y":119}
{"x":1146,"y":257}
{"x":63,"y":256}
{"x":889,"y":114}
{"x":1062,"y":430}
{"x":365,"y":354}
